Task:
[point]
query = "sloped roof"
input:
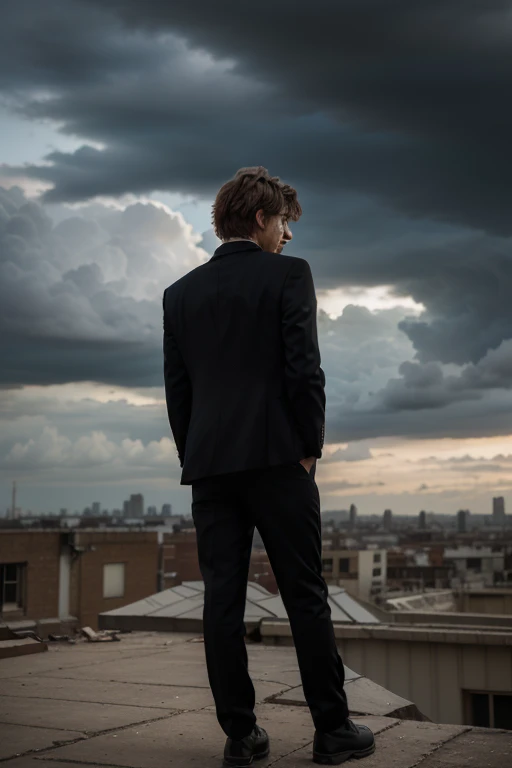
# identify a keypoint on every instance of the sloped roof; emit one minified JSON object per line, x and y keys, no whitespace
{"x":186,"y":601}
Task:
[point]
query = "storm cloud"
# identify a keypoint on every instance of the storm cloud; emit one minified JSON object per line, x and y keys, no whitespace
{"x":391,"y":119}
{"x":405,"y":101}
{"x":82,"y":300}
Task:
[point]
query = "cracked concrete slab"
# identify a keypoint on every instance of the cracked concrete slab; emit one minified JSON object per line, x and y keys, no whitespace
{"x":72,"y":716}
{"x":128,"y":694}
{"x":17,"y":739}
{"x":364,"y":697}
{"x":188,"y":739}
{"x":474,"y":749}
{"x":49,"y":700}
{"x":56,"y":660}
{"x":158,"y":669}
{"x":62,"y":656}
{"x":39,"y":761}
{"x":406,"y":745}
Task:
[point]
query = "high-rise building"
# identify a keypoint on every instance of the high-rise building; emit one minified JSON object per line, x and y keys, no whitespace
{"x":96,"y":510}
{"x":152,"y":511}
{"x":462,"y":520}
{"x":352,"y":517}
{"x":422,"y":520}
{"x":166,"y":510}
{"x":136,"y":505}
{"x":388,"y":519}
{"x":498,"y":511}
{"x":13,"y":506}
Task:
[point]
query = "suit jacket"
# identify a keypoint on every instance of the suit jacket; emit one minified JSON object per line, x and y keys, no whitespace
{"x":243,"y":382}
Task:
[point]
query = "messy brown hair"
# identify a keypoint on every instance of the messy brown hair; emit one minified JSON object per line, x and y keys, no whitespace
{"x":238,"y":200}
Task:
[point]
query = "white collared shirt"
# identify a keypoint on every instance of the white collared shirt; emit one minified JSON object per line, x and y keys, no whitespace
{"x":248,"y":239}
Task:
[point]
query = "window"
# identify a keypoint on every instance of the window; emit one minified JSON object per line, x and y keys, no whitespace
{"x":377,"y":557}
{"x":113,"y":580}
{"x":490,"y":710}
{"x":327,"y":565}
{"x":474,"y":562}
{"x":344,"y":565}
{"x":12,"y":587}
{"x":376,"y":572}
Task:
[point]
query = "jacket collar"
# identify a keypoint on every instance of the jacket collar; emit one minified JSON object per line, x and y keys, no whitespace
{"x":237,"y":246}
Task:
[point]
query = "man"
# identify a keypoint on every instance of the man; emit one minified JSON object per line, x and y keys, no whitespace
{"x":246,"y":404}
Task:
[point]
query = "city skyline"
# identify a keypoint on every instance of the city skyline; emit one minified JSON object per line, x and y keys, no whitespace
{"x":136,"y":506}
{"x":121,"y":120}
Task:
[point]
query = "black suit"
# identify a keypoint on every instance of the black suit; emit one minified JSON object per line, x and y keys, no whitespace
{"x":242,"y":371}
{"x":245,"y":399}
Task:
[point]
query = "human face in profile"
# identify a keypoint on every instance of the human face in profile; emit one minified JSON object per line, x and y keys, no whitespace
{"x":272,"y":232}
{"x":286,"y":235}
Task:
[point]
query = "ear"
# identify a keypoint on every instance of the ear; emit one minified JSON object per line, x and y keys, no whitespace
{"x":260,"y":218}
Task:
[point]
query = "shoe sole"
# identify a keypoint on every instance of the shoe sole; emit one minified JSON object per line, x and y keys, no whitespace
{"x":342,"y":757}
{"x":242,"y":762}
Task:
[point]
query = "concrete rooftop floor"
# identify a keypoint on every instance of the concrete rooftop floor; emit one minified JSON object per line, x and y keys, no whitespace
{"x":145,"y":702}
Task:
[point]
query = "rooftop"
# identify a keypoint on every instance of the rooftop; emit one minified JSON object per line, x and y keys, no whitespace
{"x":145,"y":702}
{"x":182,"y":607}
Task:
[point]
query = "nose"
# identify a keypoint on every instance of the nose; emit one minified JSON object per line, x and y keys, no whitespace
{"x":287,"y":235}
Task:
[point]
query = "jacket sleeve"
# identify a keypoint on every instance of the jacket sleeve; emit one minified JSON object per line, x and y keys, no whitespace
{"x":178,"y":389}
{"x":305,"y":379}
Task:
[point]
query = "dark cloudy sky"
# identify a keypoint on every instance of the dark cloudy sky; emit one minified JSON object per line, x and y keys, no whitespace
{"x":120,"y":119}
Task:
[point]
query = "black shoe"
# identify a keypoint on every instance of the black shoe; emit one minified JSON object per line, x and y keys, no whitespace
{"x":349,"y":740}
{"x":238,"y":754}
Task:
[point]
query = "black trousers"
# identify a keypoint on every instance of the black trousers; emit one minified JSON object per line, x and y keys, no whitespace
{"x":283,"y":503}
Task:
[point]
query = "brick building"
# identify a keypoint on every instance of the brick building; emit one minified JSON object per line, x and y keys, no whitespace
{"x":29,"y":574}
{"x":49,"y":574}
{"x":180,"y":562}
{"x":57,"y":574}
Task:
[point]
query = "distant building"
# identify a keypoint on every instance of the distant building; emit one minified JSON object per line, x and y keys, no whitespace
{"x":166,"y":510}
{"x":415,"y":571}
{"x":334,"y":539}
{"x":137,"y":505}
{"x":134,"y":507}
{"x":422,"y":520}
{"x":152,"y":511}
{"x":462,"y":520}
{"x":362,"y":572}
{"x":96,"y":508}
{"x":478,"y":564}
{"x":352,"y":520}
{"x":498,"y":511}
{"x":387,"y":520}
{"x":335,"y":517}
{"x":179,"y":562}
